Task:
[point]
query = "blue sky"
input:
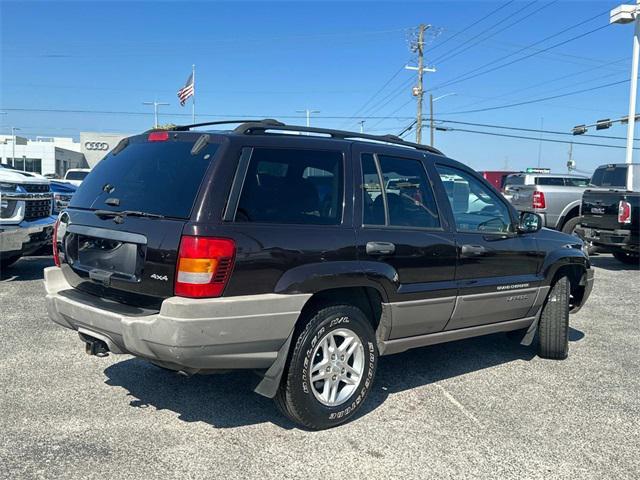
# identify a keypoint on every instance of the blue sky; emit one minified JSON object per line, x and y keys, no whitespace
{"x":275,"y":58}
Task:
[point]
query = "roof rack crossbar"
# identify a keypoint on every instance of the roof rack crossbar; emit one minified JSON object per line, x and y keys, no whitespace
{"x":260,"y":126}
{"x":266,"y":121}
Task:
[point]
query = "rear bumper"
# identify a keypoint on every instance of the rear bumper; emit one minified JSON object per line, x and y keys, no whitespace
{"x":25,"y":237}
{"x":611,"y":240}
{"x":201,"y":335}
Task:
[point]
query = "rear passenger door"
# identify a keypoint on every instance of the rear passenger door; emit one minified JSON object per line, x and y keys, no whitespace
{"x":403,"y":240}
{"x":287,"y":211}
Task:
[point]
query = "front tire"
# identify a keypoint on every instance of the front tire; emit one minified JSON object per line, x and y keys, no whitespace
{"x":627,"y":258}
{"x":553,"y":329}
{"x":331,"y":368}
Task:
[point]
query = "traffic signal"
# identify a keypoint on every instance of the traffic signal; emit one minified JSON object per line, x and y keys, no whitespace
{"x":579,"y":129}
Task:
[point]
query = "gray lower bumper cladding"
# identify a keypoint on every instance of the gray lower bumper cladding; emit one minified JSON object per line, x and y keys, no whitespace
{"x":193,"y":335}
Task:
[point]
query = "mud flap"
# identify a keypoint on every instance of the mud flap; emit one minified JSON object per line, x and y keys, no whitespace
{"x":527,"y":340}
{"x":268,"y":386}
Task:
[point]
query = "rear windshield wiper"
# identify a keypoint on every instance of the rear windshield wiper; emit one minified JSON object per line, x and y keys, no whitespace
{"x":125,"y":213}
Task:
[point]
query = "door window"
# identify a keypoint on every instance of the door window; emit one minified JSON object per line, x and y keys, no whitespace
{"x":293,"y":187}
{"x":475,"y":207}
{"x":404,"y":198}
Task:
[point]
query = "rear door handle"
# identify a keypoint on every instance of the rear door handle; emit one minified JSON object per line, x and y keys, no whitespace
{"x":472,"y":251}
{"x":380,"y":248}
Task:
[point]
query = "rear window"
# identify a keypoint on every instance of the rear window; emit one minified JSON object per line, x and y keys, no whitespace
{"x":76,"y":175}
{"x":292,"y":186}
{"x":610,"y":177}
{"x":555,"y":181}
{"x":162,"y":178}
{"x":576,"y":182}
{"x":514,"y":180}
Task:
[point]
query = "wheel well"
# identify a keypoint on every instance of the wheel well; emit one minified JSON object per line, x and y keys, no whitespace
{"x":573,"y":213}
{"x":575,"y":274}
{"x":367,"y":299}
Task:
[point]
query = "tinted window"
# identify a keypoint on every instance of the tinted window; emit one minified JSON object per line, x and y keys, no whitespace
{"x":76,"y":175}
{"x":292,"y":186}
{"x":556,"y":181}
{"x":514,"y":180}
{"x":576,"y":182}
{"x":407,"y":192}
{"x":610,"y":177}
{"x":152,"y":177}
{"x":474,"y":205}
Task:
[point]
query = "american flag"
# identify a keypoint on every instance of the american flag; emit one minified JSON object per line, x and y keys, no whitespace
{"x":187,"y":91}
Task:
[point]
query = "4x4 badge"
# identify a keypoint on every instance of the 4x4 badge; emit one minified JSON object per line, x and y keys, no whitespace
{"x":155,"y":276}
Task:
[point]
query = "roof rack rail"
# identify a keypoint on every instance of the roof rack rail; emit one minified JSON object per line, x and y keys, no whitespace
{"x":262,"y":126}
{"x":265,"y":121}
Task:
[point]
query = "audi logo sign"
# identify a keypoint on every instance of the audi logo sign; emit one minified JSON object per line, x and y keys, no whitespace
{"x":96,"y":145}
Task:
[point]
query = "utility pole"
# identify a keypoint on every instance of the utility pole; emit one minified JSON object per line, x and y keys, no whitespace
{"x":361,"y":122}
{"x":570,"y":164}
{"x":540,"y":143}
{"x":155,"y":104}
{"x":418,"y":90}
{"x":308,"y":113}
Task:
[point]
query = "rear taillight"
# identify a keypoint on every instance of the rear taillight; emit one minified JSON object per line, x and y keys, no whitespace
{"x":538,"y":200}
{"x":204,"y":266}
{"x":624,"y":212}
{"x":56,"y":254}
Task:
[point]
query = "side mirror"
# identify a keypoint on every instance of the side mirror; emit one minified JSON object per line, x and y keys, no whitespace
{"x":529,"y":222}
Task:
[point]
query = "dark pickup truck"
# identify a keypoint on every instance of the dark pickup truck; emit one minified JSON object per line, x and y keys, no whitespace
{"x":611,"y":212}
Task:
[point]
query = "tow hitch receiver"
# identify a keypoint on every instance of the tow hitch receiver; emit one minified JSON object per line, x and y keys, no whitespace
{"x":94,"y":346}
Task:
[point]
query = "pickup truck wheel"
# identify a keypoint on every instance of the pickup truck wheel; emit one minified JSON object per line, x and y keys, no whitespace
{"x":7,"y":262}
{"x":330,"y":370}
{"x":627,"y":258}
{"x":553,"y":329}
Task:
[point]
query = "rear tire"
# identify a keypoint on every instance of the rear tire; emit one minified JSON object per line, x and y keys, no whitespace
{"x":304,"y":401}
{"x":553,"y":329}
{"x":627,"y":258}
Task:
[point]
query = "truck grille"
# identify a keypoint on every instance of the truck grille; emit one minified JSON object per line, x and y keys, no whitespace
{"x":36,"y":188}
{"x":35,"y":209}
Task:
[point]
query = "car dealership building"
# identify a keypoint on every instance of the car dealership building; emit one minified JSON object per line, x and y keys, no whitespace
{"x":56,"y":155}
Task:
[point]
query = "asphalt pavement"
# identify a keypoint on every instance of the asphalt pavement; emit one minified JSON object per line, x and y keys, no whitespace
{"x":479,"y":408}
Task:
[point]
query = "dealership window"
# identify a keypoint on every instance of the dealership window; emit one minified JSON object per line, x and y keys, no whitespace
{"x":27,"y":164}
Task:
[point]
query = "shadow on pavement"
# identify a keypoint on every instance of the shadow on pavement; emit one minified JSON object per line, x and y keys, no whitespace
{"x":227,"y":400}
{"x":27,"y":268}
{"x":608,"y":262}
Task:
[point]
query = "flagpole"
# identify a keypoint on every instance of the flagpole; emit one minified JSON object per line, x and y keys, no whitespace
{"x":193,"y":100}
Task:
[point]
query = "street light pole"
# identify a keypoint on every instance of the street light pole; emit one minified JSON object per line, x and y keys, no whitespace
{"x":308,"y":113}
{"x":155,"y":111}
{"x":627,"y":14}
{"x":432,"y":125}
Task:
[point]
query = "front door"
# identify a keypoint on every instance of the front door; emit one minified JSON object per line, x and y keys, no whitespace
{"x":404,"y":241}
{"x":497,"y":267}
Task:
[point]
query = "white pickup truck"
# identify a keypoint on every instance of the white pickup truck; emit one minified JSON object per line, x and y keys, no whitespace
{"x":26,"y":223}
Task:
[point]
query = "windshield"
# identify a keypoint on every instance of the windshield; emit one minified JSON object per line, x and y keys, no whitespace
{"x":76,"y":175}
{"x":160,"y":178}
{"x":610,"y":177}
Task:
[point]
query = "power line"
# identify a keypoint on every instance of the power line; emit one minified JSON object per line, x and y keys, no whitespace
{"x":455,"y":54}
{"x":498,"y":67}
{"x":537,"y":139}
{"x":537,"y":100}
{"x":528,"y":47}
{"x":533,"y":130}
{"x":492,"y":12}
